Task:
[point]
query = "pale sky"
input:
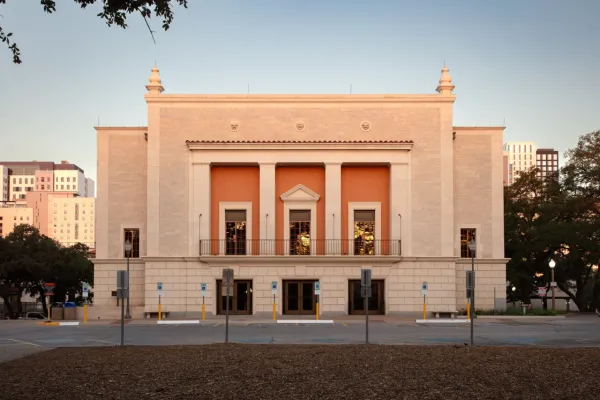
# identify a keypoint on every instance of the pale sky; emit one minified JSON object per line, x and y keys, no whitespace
{"x":533,"y":64}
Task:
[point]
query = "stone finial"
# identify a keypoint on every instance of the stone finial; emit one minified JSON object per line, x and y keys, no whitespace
{"x":155,"y":86}
{"x":445,"y":86}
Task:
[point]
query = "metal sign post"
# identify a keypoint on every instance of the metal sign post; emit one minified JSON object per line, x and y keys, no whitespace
{"x":85,"y":293}
{"x":317,"y":294}
{"x":203,"y":294}
{"x":122,"y":292}
{"x":365,"y":282}
{"x":424,"y":287}
{"x":48,"y":291}
{"x":274,"y":291}
{"x":159,"y":289}
{"x":228,"y":282}
{"x":471,"y":294}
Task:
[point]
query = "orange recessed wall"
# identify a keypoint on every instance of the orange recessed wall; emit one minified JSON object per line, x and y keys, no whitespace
{"x":368,"y":184}
{"x":311,"y":177}
{"x":234,"y":184}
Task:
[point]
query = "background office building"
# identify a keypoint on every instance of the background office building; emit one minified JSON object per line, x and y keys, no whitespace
{"x":521,"y":157}
{"x":29,"y":176}
{"x":546,"y":162}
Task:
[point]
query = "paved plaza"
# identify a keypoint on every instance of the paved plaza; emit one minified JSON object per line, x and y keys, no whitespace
{"x":19,"y":338}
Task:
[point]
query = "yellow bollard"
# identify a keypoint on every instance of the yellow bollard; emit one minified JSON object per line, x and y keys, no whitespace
{"x":159,"y":311}
{"x":469,"y":310}
{"x":203,"y":312}
{"x":84,"y":312}
{"x":317,"y":311}
{"x":424,"y":310}
{"x":274,"y":311}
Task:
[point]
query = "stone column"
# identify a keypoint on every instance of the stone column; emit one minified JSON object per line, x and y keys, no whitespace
{"x":333,"y":207}
{"x":153,"y":182}
{"x":201,"y":208}
{"x":267,"y":209}
{"x":400,"y":208}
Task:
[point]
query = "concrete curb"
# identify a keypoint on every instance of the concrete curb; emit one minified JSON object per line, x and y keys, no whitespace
{"x":442,"y":321}
{"x":305,"y":321}
{"x":52,"y":323}
{"x":532,"y":317}
{"x":178,"y":322}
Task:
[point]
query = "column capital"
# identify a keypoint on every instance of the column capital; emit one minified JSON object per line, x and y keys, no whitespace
{"x":333,"y":163}
{"x":267,"y":164}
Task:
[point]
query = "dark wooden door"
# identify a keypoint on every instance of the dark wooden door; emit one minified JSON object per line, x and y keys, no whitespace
{"x":357,"y":303}
{"x":299,"y":298}
{"x":241,"y":301}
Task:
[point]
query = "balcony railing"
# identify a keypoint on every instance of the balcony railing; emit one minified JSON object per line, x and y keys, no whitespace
{"x":307,"y":247}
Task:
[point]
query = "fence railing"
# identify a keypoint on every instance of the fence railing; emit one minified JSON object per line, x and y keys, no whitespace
{"x":300,"y":247}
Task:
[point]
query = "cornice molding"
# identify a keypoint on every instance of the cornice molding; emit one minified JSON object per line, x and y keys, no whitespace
{"x":298,"y":146}
{"x":278,"y":99}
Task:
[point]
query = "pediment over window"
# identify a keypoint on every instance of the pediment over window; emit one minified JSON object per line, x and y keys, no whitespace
{"x":300,"y":193}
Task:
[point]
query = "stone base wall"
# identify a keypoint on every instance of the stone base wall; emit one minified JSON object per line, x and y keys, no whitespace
{"x":105,"y":282}
{"x":181,"y":280}
{"x":490,"y":281}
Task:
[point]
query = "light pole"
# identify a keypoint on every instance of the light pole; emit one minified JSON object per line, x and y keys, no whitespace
{"x":127,"y":253}
{"x":552,"y":264}
{"x":473,"y":247}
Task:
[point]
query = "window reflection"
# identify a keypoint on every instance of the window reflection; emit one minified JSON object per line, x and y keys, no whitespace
{"x":299,"y":232}
{"x":364,"y":232}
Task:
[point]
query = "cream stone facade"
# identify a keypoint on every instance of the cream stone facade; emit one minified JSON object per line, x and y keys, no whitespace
{"x":295,"y":189}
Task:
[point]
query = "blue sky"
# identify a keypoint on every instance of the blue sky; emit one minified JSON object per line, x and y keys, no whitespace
{"x":533,"y":63}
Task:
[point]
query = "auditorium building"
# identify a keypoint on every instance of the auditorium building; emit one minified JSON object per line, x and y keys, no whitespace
{"x":297,"y":189}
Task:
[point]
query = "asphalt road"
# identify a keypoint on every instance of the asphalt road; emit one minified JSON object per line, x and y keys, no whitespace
{"x":20,"y":338}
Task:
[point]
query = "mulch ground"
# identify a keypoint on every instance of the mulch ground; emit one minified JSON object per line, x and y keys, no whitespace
{"x":304,"y":372}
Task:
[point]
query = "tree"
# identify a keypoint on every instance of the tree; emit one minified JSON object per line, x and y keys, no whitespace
{"x":30,"y":260}
{"x":114,"y":12}
{"x":557,"y":218}
{"x":530,"y":206}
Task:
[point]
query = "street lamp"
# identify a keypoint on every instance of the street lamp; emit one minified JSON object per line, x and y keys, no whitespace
{"x":127,"y":253}
{"x":552,"y":264}
{"x":472,"y":248}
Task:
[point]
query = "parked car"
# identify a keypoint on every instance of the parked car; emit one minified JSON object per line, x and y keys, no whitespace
{"x":34,"y":315}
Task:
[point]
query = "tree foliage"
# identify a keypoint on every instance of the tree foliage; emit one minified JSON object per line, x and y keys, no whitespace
{"x":28,"y":260}
{"x":114,"y":12}
{"x":557,"y":218}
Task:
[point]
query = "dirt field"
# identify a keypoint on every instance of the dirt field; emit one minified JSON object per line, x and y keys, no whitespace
{"x":304,"y":372}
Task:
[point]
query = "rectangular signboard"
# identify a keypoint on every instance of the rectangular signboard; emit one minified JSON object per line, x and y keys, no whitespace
{"x":122,"y":280}
{"x":203,"y":289}
{"x":317,"y":288}
{"x":365,"y":277}
{"x":366,"y":291}
{"x":424,"y":288}
{"x":274,"y":287}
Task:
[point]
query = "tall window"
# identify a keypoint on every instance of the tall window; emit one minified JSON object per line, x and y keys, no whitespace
{"x":364,"y":232}
{"x":299,"y":232}
{"x":235,"y":231}
{"x":466,"y":235}
{"x":133,"y":235}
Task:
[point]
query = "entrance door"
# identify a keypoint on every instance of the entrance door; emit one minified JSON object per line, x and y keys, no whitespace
{"x":299,"y":298}
{"x":357,"y":302}
{"x":241,"y":301}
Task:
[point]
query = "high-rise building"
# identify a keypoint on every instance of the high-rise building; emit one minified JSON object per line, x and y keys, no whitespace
{"x":546,"y":162}
{"x":65,"y":217}
{"x":13,"y":214}
{"x":3,"y":183}
{"x":521,"y":157}
{"x":46,"y":176}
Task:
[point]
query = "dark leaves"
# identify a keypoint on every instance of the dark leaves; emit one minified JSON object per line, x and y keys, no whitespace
{"x":115,"y":12}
